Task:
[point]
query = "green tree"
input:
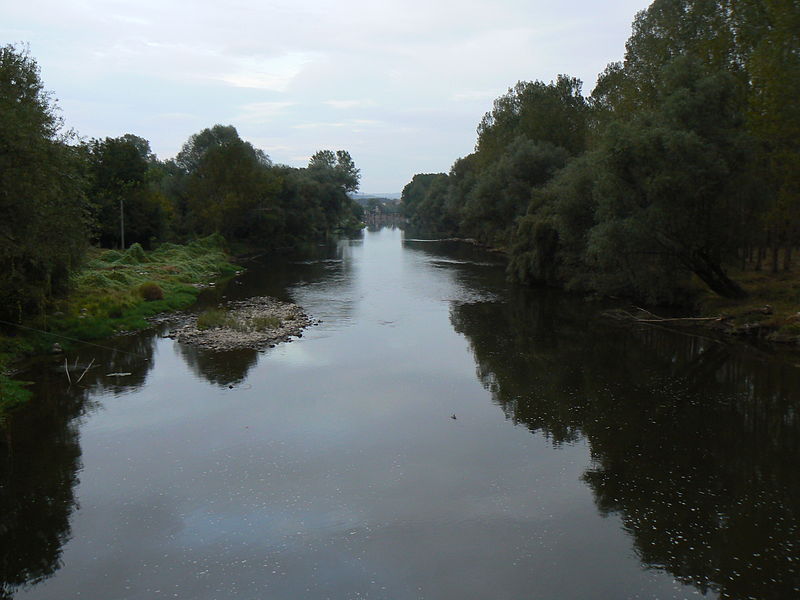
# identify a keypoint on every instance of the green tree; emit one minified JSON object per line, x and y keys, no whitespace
{"x":669,"y":188}
{"x":337,"y":167}
{"x":233,"y":190}
{"x":199,"y":143}
{"x":503,"y":189}
{"x":771,"y":51}
{"x":556,"y":113}
{"x":336,"y":176}
{"x":43,"y":216}
{"x":121,"y":193}
{"x":549,"y":244}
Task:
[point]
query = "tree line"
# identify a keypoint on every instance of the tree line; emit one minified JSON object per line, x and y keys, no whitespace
{"x":683,"y":161}
{"x":59,"y":193}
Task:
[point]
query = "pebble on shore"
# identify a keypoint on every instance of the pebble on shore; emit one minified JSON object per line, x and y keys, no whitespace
{"x":247,"y":314}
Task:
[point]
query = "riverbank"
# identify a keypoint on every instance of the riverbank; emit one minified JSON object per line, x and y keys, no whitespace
{"x":770,"y":312}
{"x":115,"y":292}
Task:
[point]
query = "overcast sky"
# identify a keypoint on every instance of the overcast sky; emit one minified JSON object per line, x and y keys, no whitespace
{"x":399,"y":84}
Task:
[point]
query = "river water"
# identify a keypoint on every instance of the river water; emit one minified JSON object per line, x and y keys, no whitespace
{"x":439,"y":435}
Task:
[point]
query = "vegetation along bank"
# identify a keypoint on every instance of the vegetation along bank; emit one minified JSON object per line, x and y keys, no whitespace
{"x":676,"y":181}
{"x":97,"y":234}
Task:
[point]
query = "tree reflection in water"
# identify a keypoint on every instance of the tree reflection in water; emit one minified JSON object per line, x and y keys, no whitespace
{"x":219,"y":368}
{"x":695,"y":443}
{"x":40,"y":454}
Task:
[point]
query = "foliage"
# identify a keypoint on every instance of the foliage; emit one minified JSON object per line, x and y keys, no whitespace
{"x":113,"y":293}
{"x":683,"y":161}
{"x":423,"y":201}
{"x":527,"y":137}
{"x":41,"y":185}
{"x":233,"y":191}
{"x":121,"y":193}
{"x":555,"y":113}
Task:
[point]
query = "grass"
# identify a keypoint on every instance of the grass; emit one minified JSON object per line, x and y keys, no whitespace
{"x":12,"y":393}
{"x":215,"y":317}
{"x":116,"y":291}
{"x":262,"y":323}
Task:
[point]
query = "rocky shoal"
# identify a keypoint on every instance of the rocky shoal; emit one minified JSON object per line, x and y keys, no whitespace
{"x":246,"y":326}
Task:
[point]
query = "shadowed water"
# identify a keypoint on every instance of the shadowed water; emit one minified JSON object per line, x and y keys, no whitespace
{"x":585,"y":460}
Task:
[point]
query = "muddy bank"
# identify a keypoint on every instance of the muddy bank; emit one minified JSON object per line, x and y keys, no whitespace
{"x":257,"y":323}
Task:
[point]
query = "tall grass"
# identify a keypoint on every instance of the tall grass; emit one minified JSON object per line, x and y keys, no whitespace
{"x":115,"y":291}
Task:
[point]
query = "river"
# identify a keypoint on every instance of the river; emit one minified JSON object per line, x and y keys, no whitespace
{"x":440,"y":434}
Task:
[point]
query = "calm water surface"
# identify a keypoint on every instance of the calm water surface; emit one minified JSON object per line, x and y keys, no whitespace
{"x":585,"y":461}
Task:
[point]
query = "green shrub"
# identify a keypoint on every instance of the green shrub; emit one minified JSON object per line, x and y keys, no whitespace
{"x":150,"y":291}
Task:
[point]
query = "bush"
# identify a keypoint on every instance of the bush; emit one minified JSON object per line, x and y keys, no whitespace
{"x":151,"y":291}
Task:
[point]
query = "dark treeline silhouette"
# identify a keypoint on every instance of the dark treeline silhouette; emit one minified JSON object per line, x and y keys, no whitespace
{"x":683,"y":161}
{"x":58,"y":193}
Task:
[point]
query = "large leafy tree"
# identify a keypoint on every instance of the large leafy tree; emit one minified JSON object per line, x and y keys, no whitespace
{"x":199,"y":143}
{"x":556,"y":113}
{"x":335,"y":175}
{"x":233,"y":190}
{"x":670,"y":183}
{"x":43,"y":217}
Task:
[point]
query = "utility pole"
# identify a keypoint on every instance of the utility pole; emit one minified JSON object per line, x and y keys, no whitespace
{"x":121,"y":223}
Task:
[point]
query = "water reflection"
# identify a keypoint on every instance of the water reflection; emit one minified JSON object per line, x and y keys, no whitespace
{"x":121,"y":367}
{"x":224,"y":369}
{"x":40,"y":453}
{"x":39,"y":463}
{"x":318,"y":278}
{"x":694,"y":442}
{"x":339,"y":473}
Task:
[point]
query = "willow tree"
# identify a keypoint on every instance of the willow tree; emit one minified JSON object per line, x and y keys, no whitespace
{"x":670,"y":183}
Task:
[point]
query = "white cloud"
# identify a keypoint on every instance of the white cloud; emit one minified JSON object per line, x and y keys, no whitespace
{"x":266,"y":73}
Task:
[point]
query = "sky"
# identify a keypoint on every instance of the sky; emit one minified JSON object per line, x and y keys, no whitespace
{"x":400,"y":84}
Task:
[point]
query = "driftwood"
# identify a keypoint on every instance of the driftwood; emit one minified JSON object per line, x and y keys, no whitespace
{"x":649,"y":317}
{"x":85,"y":371}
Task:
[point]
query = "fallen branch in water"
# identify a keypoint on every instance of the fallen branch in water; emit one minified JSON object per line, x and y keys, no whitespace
{"x":85,"y":371}
{"x":624,"y":315}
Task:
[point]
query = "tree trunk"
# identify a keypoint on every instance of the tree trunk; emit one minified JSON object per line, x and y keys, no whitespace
{"x":787,"y":258}
{"x":776,"y":248}
{"x":714,"y":276}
